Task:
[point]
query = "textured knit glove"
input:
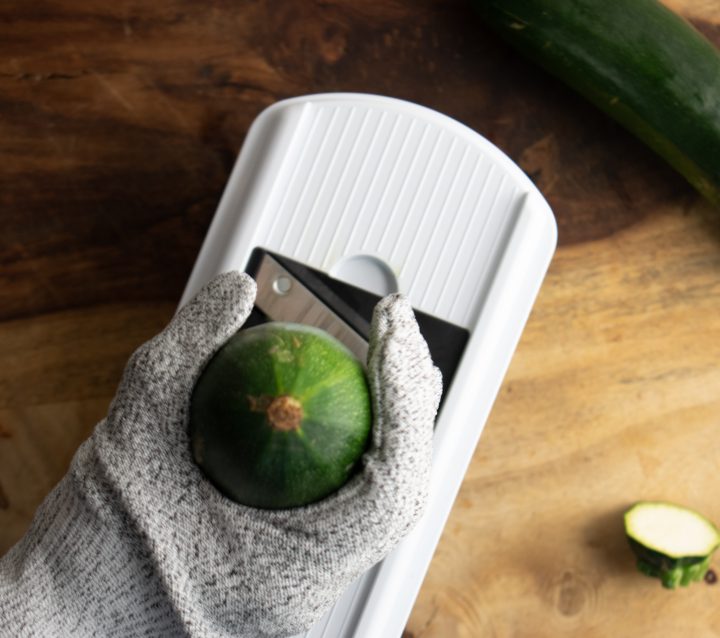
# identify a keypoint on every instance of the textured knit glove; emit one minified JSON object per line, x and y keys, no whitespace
{"x":135,"y":541}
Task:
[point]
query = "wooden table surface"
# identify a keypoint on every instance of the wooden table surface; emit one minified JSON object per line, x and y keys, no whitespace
{"x":119,"y":123}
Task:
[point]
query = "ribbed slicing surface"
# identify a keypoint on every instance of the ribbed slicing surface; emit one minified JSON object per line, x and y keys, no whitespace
{"x":360,"y":180}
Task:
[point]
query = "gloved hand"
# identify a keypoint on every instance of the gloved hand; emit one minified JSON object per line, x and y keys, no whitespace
{"x":135,"y":541}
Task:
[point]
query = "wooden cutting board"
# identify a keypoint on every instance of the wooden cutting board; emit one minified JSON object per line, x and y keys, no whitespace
{"x":119,"y":124}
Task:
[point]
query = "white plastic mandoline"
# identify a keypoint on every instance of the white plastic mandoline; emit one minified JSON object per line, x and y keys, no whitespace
{"x":389,"y":195}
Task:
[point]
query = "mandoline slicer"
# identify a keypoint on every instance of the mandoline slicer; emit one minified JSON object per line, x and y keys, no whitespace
{"x":339,"y":199}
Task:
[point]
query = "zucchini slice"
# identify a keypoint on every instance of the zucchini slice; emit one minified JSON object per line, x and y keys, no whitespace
{"x":671,"y":542}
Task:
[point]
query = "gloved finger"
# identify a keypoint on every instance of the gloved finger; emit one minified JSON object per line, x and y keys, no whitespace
{"x":404,"y":383}
{"x":391,"y":313}
{"x":406,"y":389}
{"x":178,"y":353}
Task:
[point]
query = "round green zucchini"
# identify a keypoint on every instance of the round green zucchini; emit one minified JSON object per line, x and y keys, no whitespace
{"x":280,"y":416}
{"x":635,"y":59}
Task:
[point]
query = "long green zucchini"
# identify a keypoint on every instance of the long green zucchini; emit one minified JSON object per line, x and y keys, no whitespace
{"x":638,"y":61}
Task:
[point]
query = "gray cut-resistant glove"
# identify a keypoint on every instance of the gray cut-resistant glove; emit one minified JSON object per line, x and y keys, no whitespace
{"x":135,"y":541}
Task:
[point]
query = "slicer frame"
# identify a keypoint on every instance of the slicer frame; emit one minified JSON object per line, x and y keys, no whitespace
{"x":386,"y":195}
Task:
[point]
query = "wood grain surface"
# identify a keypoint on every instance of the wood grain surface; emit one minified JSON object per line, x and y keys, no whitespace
{"x":119,"y":123}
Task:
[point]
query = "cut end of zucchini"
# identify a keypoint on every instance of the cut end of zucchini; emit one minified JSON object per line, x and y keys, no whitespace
{"x":672,"y":530}
{"x":671,"y":542}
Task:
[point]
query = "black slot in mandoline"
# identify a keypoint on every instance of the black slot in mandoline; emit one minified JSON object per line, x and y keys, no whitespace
{"x":354,"y":306}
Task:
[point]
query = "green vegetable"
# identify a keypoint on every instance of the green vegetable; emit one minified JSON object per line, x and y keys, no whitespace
{"x":671,"y":542}
{"x":635,"y":59}
{"x":280,"y":416}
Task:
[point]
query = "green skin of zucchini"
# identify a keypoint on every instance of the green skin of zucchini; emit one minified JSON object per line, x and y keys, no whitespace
{"x":300,"y":458}
{"x":639,"y":62}
{"x":671,"y":571}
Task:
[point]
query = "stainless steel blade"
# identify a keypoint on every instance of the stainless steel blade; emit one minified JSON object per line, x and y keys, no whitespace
{"x":283,"y":297}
